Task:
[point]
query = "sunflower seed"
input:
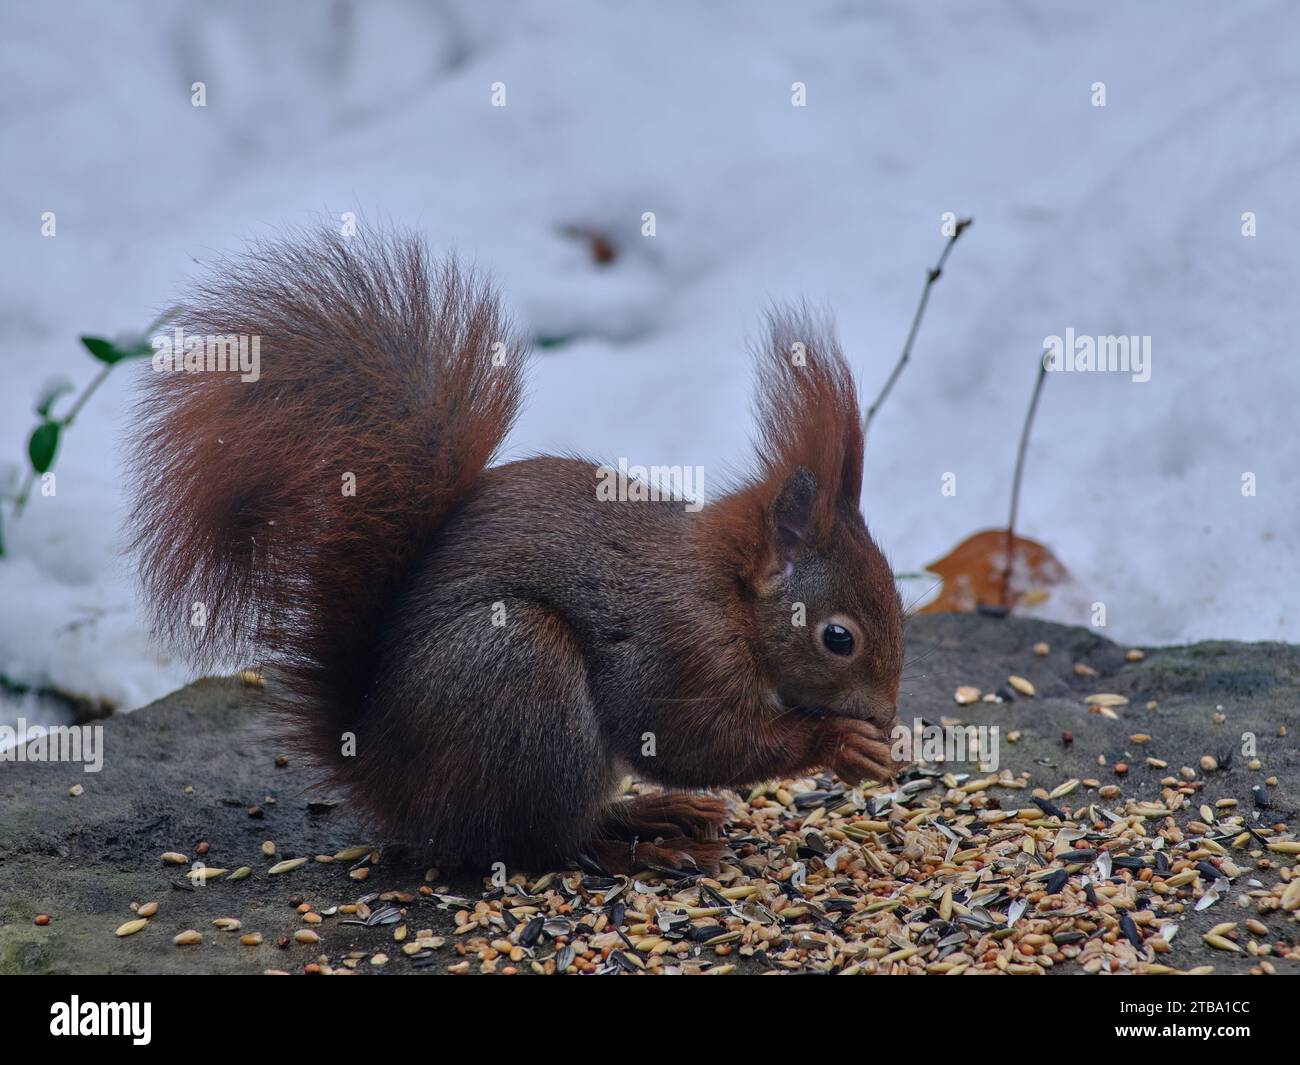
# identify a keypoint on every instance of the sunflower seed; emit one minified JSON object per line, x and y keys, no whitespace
{"x":1129,"y":927}
{"x":1050,"y":808}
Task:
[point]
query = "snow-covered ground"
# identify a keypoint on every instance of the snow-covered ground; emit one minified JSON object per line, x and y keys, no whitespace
{"x":1122,"y":219}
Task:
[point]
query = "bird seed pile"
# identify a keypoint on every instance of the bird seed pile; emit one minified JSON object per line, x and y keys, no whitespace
{"x":940,"y":872}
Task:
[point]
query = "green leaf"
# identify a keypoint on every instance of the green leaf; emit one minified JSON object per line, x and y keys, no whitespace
{"x":546,"y":343}
{"x":43,"y":444}
{"x":107,"y":351}
{"x":46,"y":401}
{"x":102,"y":349}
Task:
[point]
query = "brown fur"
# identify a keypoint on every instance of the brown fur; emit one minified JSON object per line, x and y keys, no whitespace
{"x":632,"y":634}
{"x":371,"y":365}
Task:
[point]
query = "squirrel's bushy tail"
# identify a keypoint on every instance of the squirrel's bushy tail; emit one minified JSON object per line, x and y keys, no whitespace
{"x":274,"y":519}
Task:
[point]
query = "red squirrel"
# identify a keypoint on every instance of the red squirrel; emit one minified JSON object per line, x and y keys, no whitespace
{"x":478,"y":654}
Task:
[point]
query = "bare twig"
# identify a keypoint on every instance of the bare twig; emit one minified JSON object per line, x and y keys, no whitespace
{"x":89,"y":391}
{"x":934,"y":274}
{"x":1015,"y":483}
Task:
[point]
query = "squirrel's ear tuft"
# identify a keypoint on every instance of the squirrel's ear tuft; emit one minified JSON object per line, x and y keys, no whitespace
{"x":808,"y":416}
{"x":851,"y":472}
{"x":791,"y":514}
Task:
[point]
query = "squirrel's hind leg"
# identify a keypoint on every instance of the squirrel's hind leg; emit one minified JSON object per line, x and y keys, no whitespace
{"x":492,"y":749}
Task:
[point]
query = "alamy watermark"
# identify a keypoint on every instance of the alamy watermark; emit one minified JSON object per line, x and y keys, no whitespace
{"x":1097,"y":354}
{"x":627,"y":483}
{"x":212,"y":353}
{"x":77,"y":1018}
{"x":53,"y":743}
{"x":930,"y":743}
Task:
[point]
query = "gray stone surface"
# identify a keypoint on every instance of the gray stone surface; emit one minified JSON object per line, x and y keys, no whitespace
{"x":84,"y":859}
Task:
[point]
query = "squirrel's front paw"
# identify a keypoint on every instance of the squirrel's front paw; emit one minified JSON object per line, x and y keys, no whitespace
{"x":857,"y":750}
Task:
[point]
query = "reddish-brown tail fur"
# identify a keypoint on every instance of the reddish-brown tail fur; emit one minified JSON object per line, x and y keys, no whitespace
{"x":377,"y":369}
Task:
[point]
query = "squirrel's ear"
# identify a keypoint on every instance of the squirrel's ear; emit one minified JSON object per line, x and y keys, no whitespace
{"x":791,"y":517}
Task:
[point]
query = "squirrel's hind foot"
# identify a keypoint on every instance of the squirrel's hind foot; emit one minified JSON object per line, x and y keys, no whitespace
{"x":674,"y":830}
{"x":679,"y":853}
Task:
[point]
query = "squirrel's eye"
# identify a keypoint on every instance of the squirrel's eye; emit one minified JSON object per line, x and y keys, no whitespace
{"x":837,"y":639}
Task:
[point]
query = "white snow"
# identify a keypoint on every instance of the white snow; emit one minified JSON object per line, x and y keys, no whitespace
{"x":1123,"y":219}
